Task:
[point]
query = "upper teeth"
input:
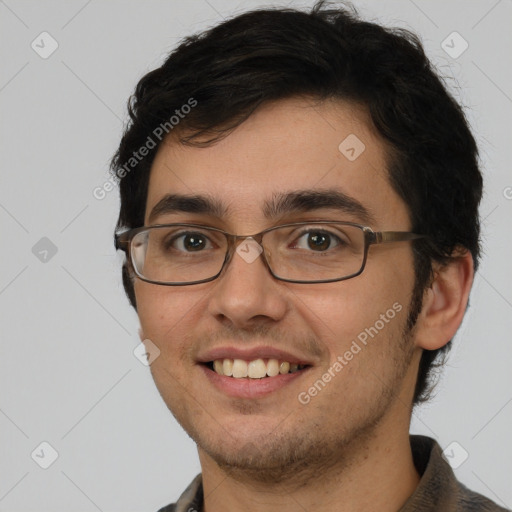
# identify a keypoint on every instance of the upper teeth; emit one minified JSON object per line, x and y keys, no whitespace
{"x":256,"y":369}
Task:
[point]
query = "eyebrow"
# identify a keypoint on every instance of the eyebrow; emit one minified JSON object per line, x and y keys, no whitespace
{"x":310,"y":200}
{"x":279,"y":205}
{"x":176,"y":203}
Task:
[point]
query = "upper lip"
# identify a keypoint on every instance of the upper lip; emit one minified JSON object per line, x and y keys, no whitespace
{"x":250,"y":354}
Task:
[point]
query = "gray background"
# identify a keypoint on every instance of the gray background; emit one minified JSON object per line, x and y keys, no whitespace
{"x":68,"y":373}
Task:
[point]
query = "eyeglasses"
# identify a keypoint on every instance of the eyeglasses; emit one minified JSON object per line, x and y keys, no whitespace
{"x":301,"y":252}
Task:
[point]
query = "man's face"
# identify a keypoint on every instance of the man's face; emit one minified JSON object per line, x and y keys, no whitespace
{"x":278,"y":422}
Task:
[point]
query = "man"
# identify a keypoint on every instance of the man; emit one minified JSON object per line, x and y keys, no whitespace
{"x":299,"y":209}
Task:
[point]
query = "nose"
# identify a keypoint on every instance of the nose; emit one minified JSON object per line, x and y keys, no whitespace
{"x":246,"y":294}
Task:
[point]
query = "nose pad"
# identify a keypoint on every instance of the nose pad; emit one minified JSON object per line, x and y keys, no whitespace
{"x":249,"y":250}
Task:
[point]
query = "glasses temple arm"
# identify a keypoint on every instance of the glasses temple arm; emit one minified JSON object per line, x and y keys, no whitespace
{"x":382,"y":237}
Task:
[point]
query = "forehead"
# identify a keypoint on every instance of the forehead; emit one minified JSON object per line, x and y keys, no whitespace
{"x":284,"y":147}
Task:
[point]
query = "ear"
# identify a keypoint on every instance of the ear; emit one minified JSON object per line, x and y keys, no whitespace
{"x":445,"y":302}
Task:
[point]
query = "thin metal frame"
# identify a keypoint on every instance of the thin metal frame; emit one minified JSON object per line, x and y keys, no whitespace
{"x":371,"y":237}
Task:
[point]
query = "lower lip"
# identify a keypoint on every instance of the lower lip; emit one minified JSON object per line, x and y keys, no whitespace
{"x":250,"y":388}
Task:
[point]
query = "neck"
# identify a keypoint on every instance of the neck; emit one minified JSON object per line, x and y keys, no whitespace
{"x":376,"y":473}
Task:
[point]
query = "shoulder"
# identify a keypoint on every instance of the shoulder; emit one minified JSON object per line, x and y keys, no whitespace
{"x":470,"y":501}
{"x":168,"y":508}
{"x":191,"y":500}
{"x":439,"y":488}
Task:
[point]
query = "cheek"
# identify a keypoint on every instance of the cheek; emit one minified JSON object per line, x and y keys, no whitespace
{"x":167,"y":314}
{"x":372,"y":305}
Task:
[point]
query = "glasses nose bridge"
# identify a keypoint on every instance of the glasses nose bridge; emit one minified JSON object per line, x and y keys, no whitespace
{"x":258,"y":237}
{"x":234,"y":241}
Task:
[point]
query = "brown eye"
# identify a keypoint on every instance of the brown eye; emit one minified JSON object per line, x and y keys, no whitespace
{"x":194,"y":242}
{"x":190,"y":242}
{"x":319,"y":241}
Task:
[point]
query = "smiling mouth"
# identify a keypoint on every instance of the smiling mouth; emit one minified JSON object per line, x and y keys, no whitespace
{"x":255,"y":369}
